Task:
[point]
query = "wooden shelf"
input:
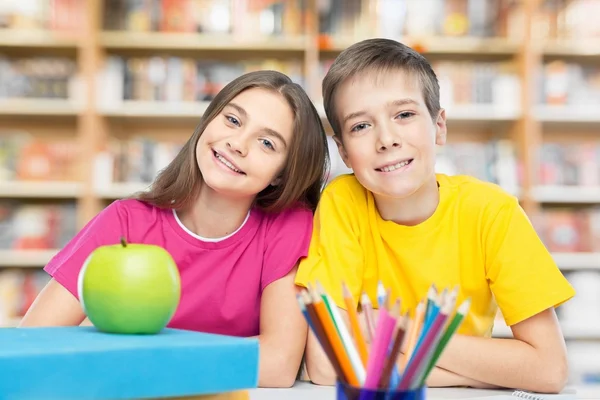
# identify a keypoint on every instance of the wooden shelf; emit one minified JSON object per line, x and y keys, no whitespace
{"x":572,"y":48}
{"x":115,"y":40}
{"x":152,"y":110}
{"x":577,"y":261}
{"x":40,"y":190}
{"x":26,"y":258}
{"x":439,"y":45}
{"x":570,"y":114}
{"x":567,"y":194}
{"x":38,"y":107}
{"x":120,"y":190}
{"x":36,"y":39}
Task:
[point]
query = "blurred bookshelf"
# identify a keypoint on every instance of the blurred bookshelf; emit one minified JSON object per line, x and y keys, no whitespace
{"x":97,"y":96}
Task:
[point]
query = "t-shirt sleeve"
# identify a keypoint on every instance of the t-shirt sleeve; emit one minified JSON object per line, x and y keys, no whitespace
{"x":287,"y":241}
{"x":523,"y":276}
{"x":106,"y":228}
{"x":335,"y":255}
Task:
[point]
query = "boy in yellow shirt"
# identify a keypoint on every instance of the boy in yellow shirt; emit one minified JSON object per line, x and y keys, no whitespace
{"x":396,"y":221}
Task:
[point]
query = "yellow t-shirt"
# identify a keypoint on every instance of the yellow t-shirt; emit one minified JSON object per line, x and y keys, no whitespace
{"x":479,"y":238}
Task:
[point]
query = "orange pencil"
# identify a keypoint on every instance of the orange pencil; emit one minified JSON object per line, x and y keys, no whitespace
{"x":355,"y":326}
{"x":334,"y":339}
{"x":413,"y":334}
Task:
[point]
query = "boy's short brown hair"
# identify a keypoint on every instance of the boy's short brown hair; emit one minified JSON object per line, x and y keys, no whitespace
{"x":378,"y":55}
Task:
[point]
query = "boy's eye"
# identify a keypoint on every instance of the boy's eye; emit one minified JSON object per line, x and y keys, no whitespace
{"x":405,"y":114}
{"x":359,"y":127}
{"x":267,"y":144}
{"x":233,"y":120}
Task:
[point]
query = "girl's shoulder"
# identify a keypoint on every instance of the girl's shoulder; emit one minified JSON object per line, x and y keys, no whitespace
{"x":291,"y":221}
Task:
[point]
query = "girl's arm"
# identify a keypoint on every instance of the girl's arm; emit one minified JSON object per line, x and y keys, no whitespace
{"x":534,"y":360}
{"x":54,"y":306}
{"x":282,"y":333}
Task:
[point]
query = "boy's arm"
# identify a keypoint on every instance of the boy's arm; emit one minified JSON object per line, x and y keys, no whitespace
{"x":534,"y":360}
{"x":527,"y":286}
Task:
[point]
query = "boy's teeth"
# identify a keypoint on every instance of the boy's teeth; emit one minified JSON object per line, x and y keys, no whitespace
{"x":224,"y":161}
{"x":395,"y":166}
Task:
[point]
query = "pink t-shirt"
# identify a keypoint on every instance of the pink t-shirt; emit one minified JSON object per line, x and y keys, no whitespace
{"x":221,"y":281}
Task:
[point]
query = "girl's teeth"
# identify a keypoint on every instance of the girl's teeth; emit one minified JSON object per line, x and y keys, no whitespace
{"x":224,"y":161}
{"x":395,"y":166}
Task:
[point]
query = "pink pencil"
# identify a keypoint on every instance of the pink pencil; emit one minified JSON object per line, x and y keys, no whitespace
{"x":381,"y":343}
{"x":429,"y":340}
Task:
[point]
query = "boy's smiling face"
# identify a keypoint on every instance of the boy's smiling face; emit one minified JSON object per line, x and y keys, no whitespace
{"x":388,"y":136}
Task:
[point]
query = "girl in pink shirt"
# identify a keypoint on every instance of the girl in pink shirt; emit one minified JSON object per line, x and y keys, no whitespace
{"x":234,"y":209}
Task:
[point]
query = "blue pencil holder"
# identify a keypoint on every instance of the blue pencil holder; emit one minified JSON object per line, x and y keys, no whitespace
{"x":348,"y":392}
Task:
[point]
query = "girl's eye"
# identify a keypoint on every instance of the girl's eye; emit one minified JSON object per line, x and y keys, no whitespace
{"x":405,"y":114}
{"x":233,"y":120}
{"x":359,"y":127}
{"x":267,"y":144}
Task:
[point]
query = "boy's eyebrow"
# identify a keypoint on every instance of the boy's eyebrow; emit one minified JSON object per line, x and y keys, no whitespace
{"x":403,"y":102}
{"x":268,"y":131}
{"x":400,"y":102}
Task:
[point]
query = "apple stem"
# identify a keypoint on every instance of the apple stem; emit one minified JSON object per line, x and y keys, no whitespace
{"x":123,"y":242}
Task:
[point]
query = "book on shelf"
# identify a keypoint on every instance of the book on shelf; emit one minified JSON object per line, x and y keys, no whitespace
{"x":18,"y":290}
{"x":37,"y":77}
{"x":565,"y":83}
{"x":242,"y":18}
{"x":573,"y":163}
{"x":25,"y":157}
{"x":493,"y":161}
{"x":175,"y":80}
{"x":64,"y":16}
{"x":36,"y":226}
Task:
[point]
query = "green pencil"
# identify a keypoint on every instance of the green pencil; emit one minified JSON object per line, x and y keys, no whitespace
{"x":462,"y":310}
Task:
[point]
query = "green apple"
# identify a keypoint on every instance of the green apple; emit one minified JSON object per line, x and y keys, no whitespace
{"x":129,"y":288}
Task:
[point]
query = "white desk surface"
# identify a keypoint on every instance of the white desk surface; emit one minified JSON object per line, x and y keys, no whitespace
{"x":307,"y":391}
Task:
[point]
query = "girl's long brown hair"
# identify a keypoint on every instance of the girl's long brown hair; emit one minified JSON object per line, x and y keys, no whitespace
{"x":302,"y":177}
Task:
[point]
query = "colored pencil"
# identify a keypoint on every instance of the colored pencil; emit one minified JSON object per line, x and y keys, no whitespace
{"x":421,"y":350}
{"x":336,"y":343}
{"x":414,"y":332}
{"x":432,"y":294}
{"x":386,"y":324}
{"x":381,"y":294}
{"x":357,"y":366}
{"x":319,"y":332}
{"x":378,"y":367}
{"x":305,"y":311}
{"x":449,"y":301}
{"x":390,"y":363}
{"x":456,"y":321}
{"x":367,"y":308}
{"x":355,"y":325}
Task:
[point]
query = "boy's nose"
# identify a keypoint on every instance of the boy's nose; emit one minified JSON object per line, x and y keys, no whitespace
{"x":387,"y":139}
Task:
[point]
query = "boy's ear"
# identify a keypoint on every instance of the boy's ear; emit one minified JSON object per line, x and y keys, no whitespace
{"x":342,"y":150}
{"x":440,"y":128}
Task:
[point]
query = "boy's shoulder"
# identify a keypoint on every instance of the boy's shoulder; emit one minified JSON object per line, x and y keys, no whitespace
{"x":475,"y":193}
